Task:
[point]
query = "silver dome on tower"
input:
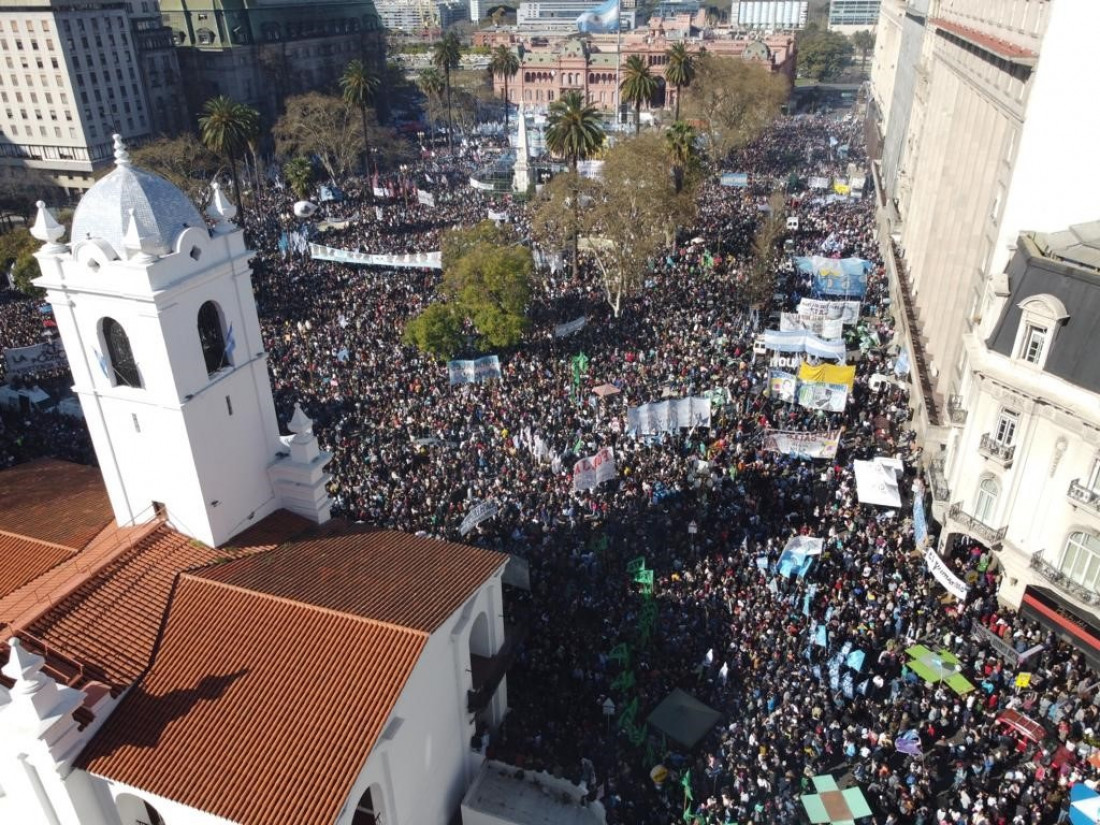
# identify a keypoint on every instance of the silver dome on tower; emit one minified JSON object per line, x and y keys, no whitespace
{"x":159,"y":209}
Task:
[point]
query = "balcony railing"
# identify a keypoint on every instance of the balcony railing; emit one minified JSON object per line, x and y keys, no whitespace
{"x":975,"y":527}
{"x":955,"y":410}
{"x":991,"y":448}
{"x":937,"y":480}
{"x":1080,"y":494}
{"x":1062,"y":582}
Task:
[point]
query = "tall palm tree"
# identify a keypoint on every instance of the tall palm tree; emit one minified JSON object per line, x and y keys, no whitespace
{"x":573,"y":130}
{"x":680,"y":144}
{"x":680,"y":70}
{"x":226,"y":127}
{"x":446,"y":55}
{"x":504,"y":63}
{"x":430,"y":82}
{"x":638,"y":85}
{"x":360,"y":85}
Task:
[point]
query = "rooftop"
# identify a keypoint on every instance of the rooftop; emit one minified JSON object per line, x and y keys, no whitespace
{"x":30,"y":493}
{"x":994,"y":45}
{"x":1078,"y":246}
{"x":383,"y":575}
{"x":508,"y":794}
{"x":257,"y":709}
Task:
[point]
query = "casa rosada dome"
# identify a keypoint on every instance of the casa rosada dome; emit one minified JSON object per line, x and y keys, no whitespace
{"x":160,"y":209}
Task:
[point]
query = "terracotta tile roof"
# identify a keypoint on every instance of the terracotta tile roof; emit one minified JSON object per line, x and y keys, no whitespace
{"x":995,"y":45}
{"x":110,"y":620}
{"x":383,"y":575}
{"x":256,"y":708}
{"x":29,"y":494}
{"x":24,"y":560}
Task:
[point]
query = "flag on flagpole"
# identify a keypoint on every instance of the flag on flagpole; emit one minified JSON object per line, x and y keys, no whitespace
{"x":230,"y":343}
{"x":102,"y":362}
{"x":600,"y":19}
{"x":724,"y":673}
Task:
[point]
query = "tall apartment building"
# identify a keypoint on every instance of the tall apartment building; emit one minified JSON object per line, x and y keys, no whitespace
{"x":847,"y":16}
{"x":985,"y":134}
{"x":260,"y":51}
{"x":72,"y":74}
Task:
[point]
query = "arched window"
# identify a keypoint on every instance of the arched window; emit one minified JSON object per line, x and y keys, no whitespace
{"x":121,"y":367}
{"x":369,"y":810}
{"x":215,"y":350}
{"x":1081,"y":560}
{"x":988,"y":492}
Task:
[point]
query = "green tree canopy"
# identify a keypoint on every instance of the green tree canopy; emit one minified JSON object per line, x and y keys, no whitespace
{"x":359,"y":85}
{"x":680,"y":70}
{"x":446,"y":56}
{"x":734,"y":101}
{"x":459,"y":241}
{"x":680,"y":143}
{"x":226,"y":127}
{"x":504,"y":64}
{"x":822,"y":54}
{"x":863,"y":41}
{"x":573,"y":128}
{"x":437,"y":330}
{"x":17,"y":249}
{"x":299,"y":175}
{"x":637,"y":86}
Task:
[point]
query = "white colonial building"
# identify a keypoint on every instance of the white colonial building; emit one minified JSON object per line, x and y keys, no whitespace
{"x":190,"y":639}
{"x":1023,"y":469}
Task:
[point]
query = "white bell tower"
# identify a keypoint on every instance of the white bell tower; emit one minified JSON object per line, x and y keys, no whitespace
{"x":160,"y":328}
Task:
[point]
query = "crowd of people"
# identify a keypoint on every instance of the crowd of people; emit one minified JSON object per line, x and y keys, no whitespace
{"x":708,"y":508}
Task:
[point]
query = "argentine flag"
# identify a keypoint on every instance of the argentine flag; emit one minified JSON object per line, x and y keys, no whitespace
{"x":600,"y":19}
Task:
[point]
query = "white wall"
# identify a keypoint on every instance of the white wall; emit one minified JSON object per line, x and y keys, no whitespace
{"x":426,"y":767}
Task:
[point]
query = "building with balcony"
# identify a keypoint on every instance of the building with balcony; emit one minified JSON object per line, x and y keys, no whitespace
{"x":592,"y":65}
{"x":1022,"y":467}
{"x":71,"y":76}
{"x":261,"y":51}
{"x":848,"y":16}
{"x":983,"y":136}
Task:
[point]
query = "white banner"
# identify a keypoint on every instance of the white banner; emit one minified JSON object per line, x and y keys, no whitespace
{"x":944,"y":575}
{"x":805,"y":545}
{"x":484,"y":187}
{"x":37,"y":358}
{"x":846,"y":311}
{"x":815,"y":395}
{"x":497,"y":216}
{"x":594,"y":470}
{"x":801,"y":341}
{"x":669,"y":416}
{"x":481,"y":512}
{"x":877,"y":484}
{"x":568,"y":328}
{"x":828,"y":328}
{"x":804,"y":445}
{"x":408,"y":260}
{"x":473,"y":372}
{"x":425,"y":198}
{"x":818,"y":183}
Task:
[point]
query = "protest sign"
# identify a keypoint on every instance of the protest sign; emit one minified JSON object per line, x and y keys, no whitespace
{"x":593,"y":470}
{"x":479,"y":513}
{"x":473,"y":372}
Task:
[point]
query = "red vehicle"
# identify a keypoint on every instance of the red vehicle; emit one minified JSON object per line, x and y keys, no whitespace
{"x":1032,"y":735}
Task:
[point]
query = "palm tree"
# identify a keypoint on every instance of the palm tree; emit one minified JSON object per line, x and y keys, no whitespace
{"x":680,"y":70}
{"x":680,"y":143}
{"x":360,"y":85}
{"x":638,"y":85}
{"x":299,"y":174}
{"x":226,"y":127}
{"x":431,"y":84}
{"x":446,"y":55}
{"x":504,"y":63}
{"x":573,"y":130}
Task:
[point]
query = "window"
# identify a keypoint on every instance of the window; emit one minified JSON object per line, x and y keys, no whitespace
{"x":1035,"y":337}
{"x":216,"y":349}
{"x":1081,"y":560}
{"x":988,"y":493}
{"x":120,"y":365}
{"x":367,"y":812}
{"x":1005,"y":433}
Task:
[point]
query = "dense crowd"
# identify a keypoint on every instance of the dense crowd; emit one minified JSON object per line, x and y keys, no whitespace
{"x":414,"y":453}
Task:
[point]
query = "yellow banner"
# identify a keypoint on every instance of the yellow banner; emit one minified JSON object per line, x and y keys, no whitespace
{"x":828,"y":374}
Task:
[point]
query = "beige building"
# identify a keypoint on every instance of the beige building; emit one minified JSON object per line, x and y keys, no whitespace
{"x":985,"y":133}
{"x":72,"y":74}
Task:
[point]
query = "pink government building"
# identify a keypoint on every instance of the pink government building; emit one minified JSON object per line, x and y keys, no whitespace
{"x":551,"y":66}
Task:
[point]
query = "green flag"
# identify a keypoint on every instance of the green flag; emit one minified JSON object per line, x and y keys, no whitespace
{"x":685,"y":782}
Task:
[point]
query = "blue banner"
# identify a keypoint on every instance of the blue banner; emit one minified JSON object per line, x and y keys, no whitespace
{"x":600,"y":19}
{"x":920,"y":520}
{"x":738,"y":179}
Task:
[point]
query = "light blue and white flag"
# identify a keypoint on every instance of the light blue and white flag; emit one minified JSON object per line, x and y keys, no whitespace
{"x":600,"y":19}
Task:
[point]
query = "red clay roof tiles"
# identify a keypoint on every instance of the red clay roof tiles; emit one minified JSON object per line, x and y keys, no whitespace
{"x":24,"y":560}
{"x":111,"y":620}
{"x":999,"y":47}
{"x":30,"y":493}
{"x":257,"y":709}
{"x":383,"y":575}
